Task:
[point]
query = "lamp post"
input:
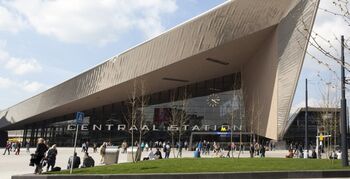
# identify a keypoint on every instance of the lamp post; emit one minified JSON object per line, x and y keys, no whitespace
{"x":306,"y":124}
{"x":343,"y":124}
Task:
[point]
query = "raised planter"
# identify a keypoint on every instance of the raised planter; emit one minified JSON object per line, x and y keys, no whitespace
{"x":245,"y":175}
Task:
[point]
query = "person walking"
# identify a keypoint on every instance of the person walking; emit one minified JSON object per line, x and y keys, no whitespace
{"x":262,"y":151}
{"x":251,"y":150}
{"x":13,"y":146}
{"x":208,"y":148}
{"x":95,"y":147}
{"x":167,"y":150}
{"x":51,"y":157}
{"x":7,"y":148}
{"x":179,"y":152}
{"x":27,"y":147}
{"x":18,"y":148}
{"x":229,"y":148}
{"x":39,"y":155}
{"x":103,"y":152}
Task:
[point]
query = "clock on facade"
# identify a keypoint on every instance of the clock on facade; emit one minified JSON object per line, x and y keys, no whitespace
{"x":213,"y":100}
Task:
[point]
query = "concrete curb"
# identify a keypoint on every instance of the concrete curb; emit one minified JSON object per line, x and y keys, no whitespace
{"x":245,"y":175}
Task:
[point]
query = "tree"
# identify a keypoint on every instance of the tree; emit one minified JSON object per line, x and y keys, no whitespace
{"x":131,"y":116}
{"x":135,"y":119}
{"x":179,"y":117}
{"x":328,"y":121}
{"x":143,"y":102}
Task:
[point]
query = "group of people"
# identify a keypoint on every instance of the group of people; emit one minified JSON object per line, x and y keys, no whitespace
{"x":46,"y":156}
{"x":227,"y":149}
{"x":257,"y":150}
{"x":43,"y":156}
{"x":12,"y":146}
{"x":74,"y":161}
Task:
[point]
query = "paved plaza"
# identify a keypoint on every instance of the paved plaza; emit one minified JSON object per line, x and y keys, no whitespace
{"x":19,"y":164}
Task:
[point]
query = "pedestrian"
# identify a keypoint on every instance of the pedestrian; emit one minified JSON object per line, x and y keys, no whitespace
{"x":103,"y":152}
{"x":262,"y":151}
{"x":124,"y":146}
{"x":75,"y":160}
{"x":208,"y":148}
{"x":142,"y":146}
{"x":179,"y":152}
{"x":39,"y":155}
{"x":146,"y":146}
{"x":13,"y":146}
{"x":251,"y":150}
{"x":51,"y":157}
{"x":150,"y":145}
{"x":18,"y":148}
{"x":200,"y":146}
{"x":229,"y":148}
{"x":257,"y":147}
{"x":95,"y":147}
{"x":83,"y":147}
{"x":167,"y":150}
{"x":88,"y":161}
{"x":241,"y":147}
{"x":7,"y":148}
{"x":86,"y":146}
{"x":186,"y":145}
{"x":158,"y":154}
{"x":27,"y":147}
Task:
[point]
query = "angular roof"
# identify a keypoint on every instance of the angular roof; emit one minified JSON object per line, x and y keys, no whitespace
{"x":230,"y":33}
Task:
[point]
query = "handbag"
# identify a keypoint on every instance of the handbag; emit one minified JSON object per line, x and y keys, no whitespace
{"x":33,"y":158}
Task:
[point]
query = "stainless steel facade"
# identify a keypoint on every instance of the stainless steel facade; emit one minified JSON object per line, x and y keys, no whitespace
{"x":264,"y":40}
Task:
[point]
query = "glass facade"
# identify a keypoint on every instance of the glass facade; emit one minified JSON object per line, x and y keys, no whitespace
{"x":206,"y":106}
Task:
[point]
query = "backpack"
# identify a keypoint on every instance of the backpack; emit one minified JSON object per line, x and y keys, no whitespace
{"x":56,"y":169}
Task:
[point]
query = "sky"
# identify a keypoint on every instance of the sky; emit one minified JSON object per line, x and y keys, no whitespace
{"x":45,"y":42}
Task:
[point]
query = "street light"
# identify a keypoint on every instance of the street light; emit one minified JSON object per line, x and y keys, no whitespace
{"x":343,"y":126}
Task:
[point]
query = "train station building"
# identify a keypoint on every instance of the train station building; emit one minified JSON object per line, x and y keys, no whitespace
{"x":233,"y":69}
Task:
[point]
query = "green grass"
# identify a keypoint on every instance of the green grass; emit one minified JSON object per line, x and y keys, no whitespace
{"x":191,"y":165}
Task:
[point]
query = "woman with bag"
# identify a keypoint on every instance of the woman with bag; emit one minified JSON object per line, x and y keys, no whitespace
{"x":39,"y":155}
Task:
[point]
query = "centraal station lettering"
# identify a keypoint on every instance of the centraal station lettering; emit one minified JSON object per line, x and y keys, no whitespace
{"x":123,"y":127}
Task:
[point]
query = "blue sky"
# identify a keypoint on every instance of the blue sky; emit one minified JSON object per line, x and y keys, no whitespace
{"x":43,"y":43}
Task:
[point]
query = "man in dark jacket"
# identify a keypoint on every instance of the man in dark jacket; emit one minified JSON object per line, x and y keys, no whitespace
{"x":76,"y":161}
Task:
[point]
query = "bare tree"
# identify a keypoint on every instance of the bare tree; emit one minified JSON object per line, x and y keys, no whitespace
{"x":179,"y":117}
{"x":183,"y":117}
{"x":241,"y":112}
{"x":328,"y":120}
{"x":143,"y":100}
{"x":131,"y":116}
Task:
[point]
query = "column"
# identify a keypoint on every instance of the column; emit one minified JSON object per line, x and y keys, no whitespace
{"x":3,"y":138}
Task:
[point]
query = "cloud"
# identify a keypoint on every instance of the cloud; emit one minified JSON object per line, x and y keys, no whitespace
{"x":6,"y":83}
{"x":33,"y":86}
{"x":312,"y":102}
{"x":17,"y":65}
{"x":23,"y":66}
{"x":24,"y":86}
{"x":10,"y":21}
{"x":91,"y":21}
